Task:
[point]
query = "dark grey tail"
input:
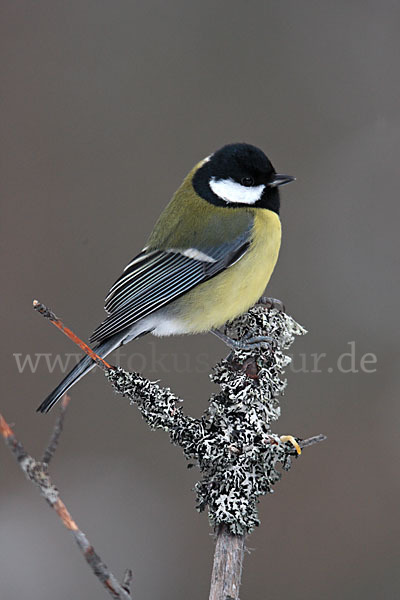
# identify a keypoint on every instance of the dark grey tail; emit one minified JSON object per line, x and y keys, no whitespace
{"x":83,"y":367}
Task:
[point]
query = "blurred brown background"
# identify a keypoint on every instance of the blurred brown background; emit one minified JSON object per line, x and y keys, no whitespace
{"x":105,"y":107}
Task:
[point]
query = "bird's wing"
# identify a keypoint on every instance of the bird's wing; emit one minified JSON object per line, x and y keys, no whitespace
{"x":155,"y":278}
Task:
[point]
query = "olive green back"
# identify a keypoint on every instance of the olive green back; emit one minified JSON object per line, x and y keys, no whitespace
{"x":188,"y":221}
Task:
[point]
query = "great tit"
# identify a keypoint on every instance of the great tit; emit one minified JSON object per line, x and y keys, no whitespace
{"x":207,"y":260}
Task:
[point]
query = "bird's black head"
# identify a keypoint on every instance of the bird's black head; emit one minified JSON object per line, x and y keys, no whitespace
{"x":239,"y":175}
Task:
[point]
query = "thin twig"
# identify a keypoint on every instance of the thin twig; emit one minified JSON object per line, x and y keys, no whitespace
{"x":127,"y":580}
{"x":48,"y":314}
{"x":316,"y":439}
{"x":57,"y":430}
{"x":312,"y":440}
{"x":36,"y":472}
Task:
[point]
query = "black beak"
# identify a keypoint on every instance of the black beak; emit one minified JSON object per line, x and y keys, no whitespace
{"x":280,"y":180}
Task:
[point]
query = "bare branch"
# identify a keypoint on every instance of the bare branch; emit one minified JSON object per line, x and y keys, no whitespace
{"x":57,"y":430}
{"x":227,"y":568}
{"x":36,"y":472}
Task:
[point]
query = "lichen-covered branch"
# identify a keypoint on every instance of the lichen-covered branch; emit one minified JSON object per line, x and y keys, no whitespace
{"x":36,"y":472}
{"x":232,"y":444}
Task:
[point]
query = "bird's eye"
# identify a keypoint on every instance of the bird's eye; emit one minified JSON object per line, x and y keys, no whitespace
{"x":247,"y":181}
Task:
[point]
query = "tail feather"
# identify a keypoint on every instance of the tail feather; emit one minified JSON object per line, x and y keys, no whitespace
{"x":83,"y":367}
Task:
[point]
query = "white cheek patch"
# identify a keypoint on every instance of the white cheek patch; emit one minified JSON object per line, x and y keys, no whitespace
{"x":232,"y":191}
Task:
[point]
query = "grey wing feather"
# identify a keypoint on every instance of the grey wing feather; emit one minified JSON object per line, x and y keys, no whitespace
{"x":156,"y":278}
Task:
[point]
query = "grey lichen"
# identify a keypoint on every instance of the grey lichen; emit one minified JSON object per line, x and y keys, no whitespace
{"x":232,"y":444}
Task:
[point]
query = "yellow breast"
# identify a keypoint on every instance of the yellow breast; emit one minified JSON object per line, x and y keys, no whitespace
{"x":233,"y":291}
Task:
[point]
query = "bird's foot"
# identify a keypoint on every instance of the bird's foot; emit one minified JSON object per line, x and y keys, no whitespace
{"x":246,"y":343}
{"x":292,"y":440}
{"x":271,"y":303}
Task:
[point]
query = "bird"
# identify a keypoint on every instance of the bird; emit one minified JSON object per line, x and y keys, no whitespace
{"x":208,"y":259}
